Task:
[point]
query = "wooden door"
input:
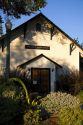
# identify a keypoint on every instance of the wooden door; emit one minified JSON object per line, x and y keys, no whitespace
{"x":41,"y":79}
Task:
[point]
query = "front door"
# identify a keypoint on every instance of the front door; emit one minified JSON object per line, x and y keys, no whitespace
{"x":40,"y":79}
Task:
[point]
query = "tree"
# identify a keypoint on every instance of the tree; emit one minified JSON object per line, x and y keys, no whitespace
{"x":1,"y":31}
{"x":17,"y":7}
{"x":82,"y":45}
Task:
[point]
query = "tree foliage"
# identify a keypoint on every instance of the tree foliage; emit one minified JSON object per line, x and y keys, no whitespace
{"x":17,"y":7}
{"x":1,"y":31}
{"x":81,"y":44}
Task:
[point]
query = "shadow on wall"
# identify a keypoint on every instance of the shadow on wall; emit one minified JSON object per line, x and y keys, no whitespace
{"x":46,"y":29}
{"x":65,"y":76}
{"x":18,"y":52}
{"x":30,"y":36}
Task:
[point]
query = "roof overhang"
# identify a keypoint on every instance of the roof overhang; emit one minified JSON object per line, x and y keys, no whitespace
{"x":37,"y":58}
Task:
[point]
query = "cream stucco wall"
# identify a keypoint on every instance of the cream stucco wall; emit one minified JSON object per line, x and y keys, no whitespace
{"x":59,"y":47}
{"x":2,"y":60}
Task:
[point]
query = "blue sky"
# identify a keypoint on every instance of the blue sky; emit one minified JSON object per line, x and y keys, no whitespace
{"x":66,"y":14}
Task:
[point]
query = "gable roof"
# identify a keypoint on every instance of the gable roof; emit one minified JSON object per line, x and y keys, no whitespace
{"x":38,"y":57}
{"x":42,"y":15}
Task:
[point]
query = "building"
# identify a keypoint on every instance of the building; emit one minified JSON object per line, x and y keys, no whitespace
{"x":43,"y":50}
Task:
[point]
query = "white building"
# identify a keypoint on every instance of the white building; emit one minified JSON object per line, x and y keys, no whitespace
{"x":43,"y":49}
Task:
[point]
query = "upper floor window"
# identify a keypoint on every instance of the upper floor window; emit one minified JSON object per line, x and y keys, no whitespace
{"x":38,"y":27}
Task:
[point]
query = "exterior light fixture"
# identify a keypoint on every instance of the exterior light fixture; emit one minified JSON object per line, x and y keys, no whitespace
{"x":8,"y":25}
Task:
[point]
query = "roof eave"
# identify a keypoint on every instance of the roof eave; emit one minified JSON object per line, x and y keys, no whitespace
{"x":36,"y":58}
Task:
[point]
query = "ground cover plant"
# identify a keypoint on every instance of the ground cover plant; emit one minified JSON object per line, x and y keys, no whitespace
{"x":64,"y":108}
{"x":68,"y":116}
{"x":53,"y":102}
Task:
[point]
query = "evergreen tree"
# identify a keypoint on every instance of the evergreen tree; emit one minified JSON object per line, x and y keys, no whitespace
{"x":18,"y":7}
{"x":1,"y":30}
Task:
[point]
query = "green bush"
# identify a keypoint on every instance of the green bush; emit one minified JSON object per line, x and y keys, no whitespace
{"x":53,"y":102}
{"x":2,"y":80}
{"x":80,"y":96}
{"x":10,"y":97}
{"x":15,"y":100}
{"x":22,"y":75}
{"x":71,"y":81}
{"x":81,"y":78}
{"x":8,"y":110}
{"x":68,"y":116}
{"x":31,"y":117}
{"x":64,"y":108}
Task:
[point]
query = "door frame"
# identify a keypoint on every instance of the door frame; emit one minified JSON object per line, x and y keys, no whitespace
{"x":49,"y":75}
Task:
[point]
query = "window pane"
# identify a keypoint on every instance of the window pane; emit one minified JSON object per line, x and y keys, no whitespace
{"x":38,"y":27}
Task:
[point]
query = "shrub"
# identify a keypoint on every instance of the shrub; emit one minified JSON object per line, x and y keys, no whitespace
{"x":22,"y":75}
{"x":8,"y":109}
{"x":81,"y":77}
{"x":53,"y":102}
{"x":10,"y":97}
{"x":8,"y":106}
{"x":31,"y":117}
{"x":64,"y":109}
{"x":80,"y":96}
{"x":68,"y":116}
{"x":2,"y":80}
{"x":15,"y":100}
{"x":71,"y":81}
{"x":23,"y":86}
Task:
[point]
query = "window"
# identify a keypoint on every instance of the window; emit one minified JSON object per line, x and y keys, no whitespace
{"x":38,"y":27}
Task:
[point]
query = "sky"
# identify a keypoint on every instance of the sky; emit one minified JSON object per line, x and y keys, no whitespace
{"x":66,"y":14}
